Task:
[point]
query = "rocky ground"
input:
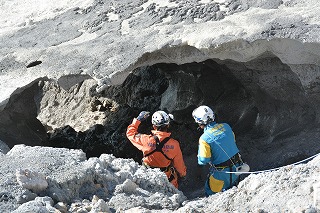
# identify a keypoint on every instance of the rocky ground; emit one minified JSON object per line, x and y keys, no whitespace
{"x":43,"y":179}
{"x":40,"y":179}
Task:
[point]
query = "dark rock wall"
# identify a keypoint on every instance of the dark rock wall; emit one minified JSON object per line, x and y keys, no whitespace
{"x":18,"y":122}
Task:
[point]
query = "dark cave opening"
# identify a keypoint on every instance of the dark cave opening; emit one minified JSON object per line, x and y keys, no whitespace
{"x":271,"y":113}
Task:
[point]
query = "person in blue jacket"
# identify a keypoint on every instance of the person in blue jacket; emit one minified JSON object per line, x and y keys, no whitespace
{"x":217,"y":147}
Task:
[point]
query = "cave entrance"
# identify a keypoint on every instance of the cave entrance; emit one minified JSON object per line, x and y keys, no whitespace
{"x":274,"y":116}
{"x":263,"y":100}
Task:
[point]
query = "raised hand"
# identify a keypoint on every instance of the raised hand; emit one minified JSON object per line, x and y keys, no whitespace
{"x":143,"y":116}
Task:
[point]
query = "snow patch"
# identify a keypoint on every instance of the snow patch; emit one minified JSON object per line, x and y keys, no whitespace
{"x":85,"y":37}
{"x":16,"y":13}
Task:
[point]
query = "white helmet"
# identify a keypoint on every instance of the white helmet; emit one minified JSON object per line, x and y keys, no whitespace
{"x":203,"y":115}
{"x":160,"y":118}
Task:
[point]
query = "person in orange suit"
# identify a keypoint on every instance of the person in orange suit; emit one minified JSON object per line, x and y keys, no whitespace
{"x":158,"y":148}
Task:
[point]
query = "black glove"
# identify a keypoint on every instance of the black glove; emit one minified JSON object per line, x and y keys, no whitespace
{"x":143,"y":116}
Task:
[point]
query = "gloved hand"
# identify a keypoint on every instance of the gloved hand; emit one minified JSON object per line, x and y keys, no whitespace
{"x":143,"y":116}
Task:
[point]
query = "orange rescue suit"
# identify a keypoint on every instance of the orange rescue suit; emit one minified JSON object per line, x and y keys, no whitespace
{"x":146,"y":143}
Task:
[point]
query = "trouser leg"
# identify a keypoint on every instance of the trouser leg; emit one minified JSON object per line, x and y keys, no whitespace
{"x":218,"y":181}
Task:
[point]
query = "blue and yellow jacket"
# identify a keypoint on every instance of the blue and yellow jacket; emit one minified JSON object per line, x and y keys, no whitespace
{"x":216,"y":144}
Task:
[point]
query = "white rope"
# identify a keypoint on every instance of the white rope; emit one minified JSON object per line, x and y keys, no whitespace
{"x":270,"y":170}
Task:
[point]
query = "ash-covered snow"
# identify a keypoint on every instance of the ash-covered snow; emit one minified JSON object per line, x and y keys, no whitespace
{"x":122,"y":185}
{"x":70,"y":178}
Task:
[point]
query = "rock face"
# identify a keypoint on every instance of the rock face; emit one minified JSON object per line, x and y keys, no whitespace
{"x":4,"y":148}
{"x":18,"y":122}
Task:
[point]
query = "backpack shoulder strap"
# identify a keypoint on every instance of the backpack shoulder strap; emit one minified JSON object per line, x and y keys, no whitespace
{"x":159,"y":146}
